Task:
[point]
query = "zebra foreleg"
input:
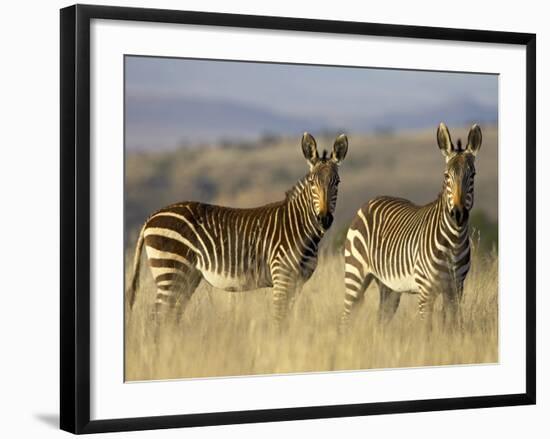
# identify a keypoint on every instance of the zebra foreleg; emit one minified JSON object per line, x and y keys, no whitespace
{"x":389,"y":302}
{"x":293,"y":293}
{"x":283,"y":296}
{"x":452,"y":317}
{"x":426,"y":303}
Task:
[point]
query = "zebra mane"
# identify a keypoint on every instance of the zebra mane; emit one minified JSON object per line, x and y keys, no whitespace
{"x":295,"y":190}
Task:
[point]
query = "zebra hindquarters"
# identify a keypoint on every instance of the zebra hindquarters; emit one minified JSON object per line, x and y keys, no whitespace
{"x":355,"y":286}
{"x":357,"y":269}
{"x":357,"y":272}
{"x":173,"y":267}
{"x":172,"y":299}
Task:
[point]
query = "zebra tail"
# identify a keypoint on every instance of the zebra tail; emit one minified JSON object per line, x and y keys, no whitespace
{"x":134,"y":283}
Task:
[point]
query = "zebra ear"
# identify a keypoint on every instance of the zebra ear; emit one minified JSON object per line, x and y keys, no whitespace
{"x":340,"y":149}
{"x":309,"y":148}
{"x":444,"y":140}
{"x":474,"y":139}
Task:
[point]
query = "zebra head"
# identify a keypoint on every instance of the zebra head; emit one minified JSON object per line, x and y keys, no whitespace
{"x":322,"y":178}
{"x":459,"y":171}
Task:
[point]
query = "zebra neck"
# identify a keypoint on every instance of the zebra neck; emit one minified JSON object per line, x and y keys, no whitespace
{"x":455,"y":237}
{"x":300,"y":200}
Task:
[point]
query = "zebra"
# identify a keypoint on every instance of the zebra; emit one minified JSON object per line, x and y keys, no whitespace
{"x":232,"y":249}
{"x":416,"y":249}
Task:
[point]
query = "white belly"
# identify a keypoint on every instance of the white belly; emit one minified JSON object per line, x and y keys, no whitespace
{"x":405,"y":284}
{"x":237,"y":283}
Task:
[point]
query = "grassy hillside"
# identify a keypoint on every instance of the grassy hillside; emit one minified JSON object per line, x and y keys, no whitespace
{"x":406,"y":164}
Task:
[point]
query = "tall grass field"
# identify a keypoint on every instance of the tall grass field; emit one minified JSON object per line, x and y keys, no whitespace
{"x":229,"y":334}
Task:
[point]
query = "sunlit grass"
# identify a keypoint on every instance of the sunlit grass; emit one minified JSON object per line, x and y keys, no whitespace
{"x":227,"y":334}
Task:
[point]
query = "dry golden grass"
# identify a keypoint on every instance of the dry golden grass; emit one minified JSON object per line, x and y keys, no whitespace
{"x":228,"y":334}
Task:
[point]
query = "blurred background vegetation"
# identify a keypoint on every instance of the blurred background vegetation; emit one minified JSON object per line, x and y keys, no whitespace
{"x":406,"y":164}
{"x":228,"y":133}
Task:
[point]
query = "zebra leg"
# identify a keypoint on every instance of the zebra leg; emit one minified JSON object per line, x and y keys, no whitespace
{"x":426,"y":302}
{"x":293,"y":293}
{"x":283,"y":293}
{"x":451,"y":310}
{"x":280,"y":304}
{"x":172,"y":297}
{"x":186,"y":292}
{"x":355,"y":293}
{"x":389,"y":302}
{"x":174,"y":290}
{"x":460,"y":299}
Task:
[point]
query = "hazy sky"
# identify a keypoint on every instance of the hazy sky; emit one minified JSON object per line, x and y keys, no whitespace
{"x":343,"y":96}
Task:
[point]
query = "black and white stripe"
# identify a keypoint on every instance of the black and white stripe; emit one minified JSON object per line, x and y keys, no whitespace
{"x":415,"y":249}
{"x":243,"y":249}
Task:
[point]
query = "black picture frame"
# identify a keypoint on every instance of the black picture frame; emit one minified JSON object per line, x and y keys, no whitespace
{"x":75,"y":217}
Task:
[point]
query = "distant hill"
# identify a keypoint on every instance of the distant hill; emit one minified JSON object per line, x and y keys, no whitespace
{"x":458,"y":112}
{"x":168,"y":122}
{"x":405,"y":164}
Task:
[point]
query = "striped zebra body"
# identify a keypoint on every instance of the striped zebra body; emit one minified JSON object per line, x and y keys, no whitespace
{"x":233,"y":249}
{"x":423,"y":250}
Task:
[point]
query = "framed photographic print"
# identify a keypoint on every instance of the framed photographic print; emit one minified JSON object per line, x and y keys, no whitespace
{"x":268,"y":218}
